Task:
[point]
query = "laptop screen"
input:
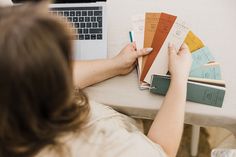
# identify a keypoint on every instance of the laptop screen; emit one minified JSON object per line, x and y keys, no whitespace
{"x":61,"y":1}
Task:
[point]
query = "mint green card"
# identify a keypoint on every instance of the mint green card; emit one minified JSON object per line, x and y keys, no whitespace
{"x":200,"y":57}
{"x":207,"y":72}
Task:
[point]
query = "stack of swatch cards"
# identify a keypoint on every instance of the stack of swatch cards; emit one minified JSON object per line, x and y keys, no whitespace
{"x":157,"y":30}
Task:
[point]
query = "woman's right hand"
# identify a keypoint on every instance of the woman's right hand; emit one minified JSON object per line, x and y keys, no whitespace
{"x":179,"y":62}
{"x":126,"y":59}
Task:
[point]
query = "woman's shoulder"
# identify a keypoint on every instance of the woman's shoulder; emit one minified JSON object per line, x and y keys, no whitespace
{"x":104,"y":115}
{"x":109,"y":133}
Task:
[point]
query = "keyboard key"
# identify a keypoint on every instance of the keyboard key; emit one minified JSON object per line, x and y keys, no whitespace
{"x":76,"y":25}
{"x":87,"y":19}
{"x":72,"y":13}
{"x":78,"y":13}
{"x":100,"y":24}
{"x":99,"y":19}
{"x":84,"y":13}
{"x":99,"y":8}
{"x":66,"y":13}
{"x":60,"y":13}
{"x":70,"y":24}
{"x":69,"y":19}
{"x":94,"y":31}
{"x":81,"y":19}
{"x":93,"y":36}
{"x":88,"y":25}
{"x":97,"y":13}
{"x":87,"y":37}
{"x":81,"y":37}
{"x":75,"y":19}
{"x":93,"y":19}
{"x":82,"y":25}
{"x":86,"y":31}
{"x":95,"y":25}
{"x":99,"y":36}
{"x":90,"y":13}
{"x":80,"y":31}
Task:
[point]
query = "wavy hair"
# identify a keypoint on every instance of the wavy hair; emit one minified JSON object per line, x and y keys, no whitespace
{"x":38,"y":102}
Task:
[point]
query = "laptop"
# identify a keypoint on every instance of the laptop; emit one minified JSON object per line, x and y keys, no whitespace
{"x":89,"y":23}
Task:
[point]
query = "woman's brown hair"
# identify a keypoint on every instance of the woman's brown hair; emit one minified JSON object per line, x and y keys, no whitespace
{"x":37,"y":100}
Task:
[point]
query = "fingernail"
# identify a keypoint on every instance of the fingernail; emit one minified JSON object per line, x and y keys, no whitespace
{"x":148,"y":50}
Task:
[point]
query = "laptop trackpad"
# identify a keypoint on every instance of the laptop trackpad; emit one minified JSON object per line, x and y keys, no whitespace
{"x":88,"y":50}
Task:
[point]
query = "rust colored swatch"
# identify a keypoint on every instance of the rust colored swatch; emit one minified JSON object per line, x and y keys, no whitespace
{"x":166,"y":21}
{"x":151,"y":22}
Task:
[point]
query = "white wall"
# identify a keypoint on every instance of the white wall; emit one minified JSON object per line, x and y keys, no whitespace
{"x":5,"y":2}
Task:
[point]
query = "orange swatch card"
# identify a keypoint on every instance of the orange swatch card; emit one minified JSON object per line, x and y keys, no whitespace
{"x":193,"y":42}
{"x":166,"y":21}
{"x":151,"y":21}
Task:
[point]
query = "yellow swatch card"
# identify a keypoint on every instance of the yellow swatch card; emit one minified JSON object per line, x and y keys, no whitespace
{"x":193,"y":42}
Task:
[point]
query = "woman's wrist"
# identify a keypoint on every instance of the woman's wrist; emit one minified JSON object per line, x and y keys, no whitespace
{"x":179,"y":86}
{"x":115,"y":65}
{"x":182,"y":80}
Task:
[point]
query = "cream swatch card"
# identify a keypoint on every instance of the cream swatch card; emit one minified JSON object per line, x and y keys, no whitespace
{"x":138,"y":22}
{"x":176,"y":36}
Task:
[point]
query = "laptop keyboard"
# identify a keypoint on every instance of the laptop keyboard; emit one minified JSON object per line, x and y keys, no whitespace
{"x":86,"y":22}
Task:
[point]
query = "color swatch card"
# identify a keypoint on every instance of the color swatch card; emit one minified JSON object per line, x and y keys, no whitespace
{"x":193,"y":42}
{"x":138,"y":35}
{"x":165,"y":24}
{"x":207,"y":71}
{"x":177,"y":36}
{"x":151,"y":22}
{"x":201,"y":57}
{"x":197,"y":92}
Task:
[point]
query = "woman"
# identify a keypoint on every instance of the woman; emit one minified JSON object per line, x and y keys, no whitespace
{"x":42,"y":115}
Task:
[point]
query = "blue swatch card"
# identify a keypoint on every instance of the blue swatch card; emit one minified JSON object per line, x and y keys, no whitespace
{"x":209,"y":71}
{"x":200,"y":57}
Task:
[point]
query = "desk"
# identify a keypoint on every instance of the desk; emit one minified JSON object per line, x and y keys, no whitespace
{"x":214,"y":21}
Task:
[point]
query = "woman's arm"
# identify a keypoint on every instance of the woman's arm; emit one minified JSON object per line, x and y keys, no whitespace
{"x":86,"y":73}
{"x":167,"y":127}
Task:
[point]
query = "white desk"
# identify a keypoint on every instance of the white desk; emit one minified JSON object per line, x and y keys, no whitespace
{"x":214,"y":21}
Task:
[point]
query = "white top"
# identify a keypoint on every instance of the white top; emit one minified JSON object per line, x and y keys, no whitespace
{"x":107,"y":134}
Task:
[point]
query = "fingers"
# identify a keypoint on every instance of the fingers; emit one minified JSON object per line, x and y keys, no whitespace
{"x":144,"y":51}
{"x":171,"y":49}
{"x":132,"y":45}
{"x":184,"y":47}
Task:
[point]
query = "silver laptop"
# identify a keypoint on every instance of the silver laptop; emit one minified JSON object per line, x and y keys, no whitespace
{"x":89,"y":22}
